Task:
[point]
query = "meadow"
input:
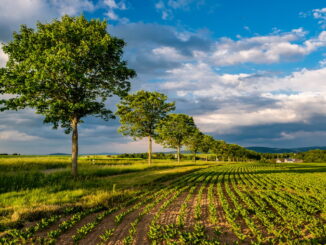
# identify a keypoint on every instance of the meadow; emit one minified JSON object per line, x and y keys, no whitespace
{"x":126,"y":201}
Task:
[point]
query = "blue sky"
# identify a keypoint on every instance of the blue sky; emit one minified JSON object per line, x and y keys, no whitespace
{"x":249,"y":72}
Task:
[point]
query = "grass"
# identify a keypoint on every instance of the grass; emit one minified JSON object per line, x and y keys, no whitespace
{"x":34,"y":186}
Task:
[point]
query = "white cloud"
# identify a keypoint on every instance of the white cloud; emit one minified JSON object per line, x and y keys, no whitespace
{"x":295,"y":98}
{"x":320,"y":15}
{"x":28,"y":12}
{"x":112,"y":6}
{"x":115,"y":5}
{"x":72,"y":7}
{"x":112,"y":15}
{"x":167,"y":9}
{"x":13,"y":135}
{"x":298,"y":135}
{"x":169,"y":53}
{"x":273,"y":48}
{"x":3,"y":57}
{"x":111,"y":3}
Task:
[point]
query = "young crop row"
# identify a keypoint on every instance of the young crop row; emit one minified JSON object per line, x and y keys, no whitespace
{"x":284,"y":215}
{"x":250,"y":203}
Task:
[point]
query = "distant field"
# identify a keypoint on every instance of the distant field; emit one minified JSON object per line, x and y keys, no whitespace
{"x":130,"y":202}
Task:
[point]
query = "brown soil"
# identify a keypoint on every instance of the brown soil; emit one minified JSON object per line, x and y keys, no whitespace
{"x":52,"y":227}
{"x":143,"y":225}
{"x":66,"y":238}
{"x":171,"y":212}
{"x":189,"y":217}
{"x":122,"y":230}
{"x":105,"y":224}
{"x":227,"y":236}
{"x":209,"y":227}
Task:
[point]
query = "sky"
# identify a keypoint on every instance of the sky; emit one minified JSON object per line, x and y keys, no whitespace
{"x":251,"y":73}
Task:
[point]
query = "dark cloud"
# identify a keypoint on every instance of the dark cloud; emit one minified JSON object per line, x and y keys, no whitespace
{"x":280,"y":134}
{"x":153,"y":35}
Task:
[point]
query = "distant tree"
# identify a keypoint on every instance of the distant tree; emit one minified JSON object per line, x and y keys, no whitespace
{"x":173,"y":131}
{"x":65,"y":70}
{"x":194,"y":142}
{"x":206,"y":144}
{"x":140,"y":114}
{"x":218,"y":148}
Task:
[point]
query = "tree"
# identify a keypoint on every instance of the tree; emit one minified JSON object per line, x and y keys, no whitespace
{"x":206,"y":144}
{"x":140,"y":114}
{"x":65,"y":70}
{"x":194,"y":141}
{"x":173,"y":131}
{"x":217,"y":148}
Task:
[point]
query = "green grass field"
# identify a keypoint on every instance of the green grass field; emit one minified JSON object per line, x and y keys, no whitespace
{"x":125,"y":201}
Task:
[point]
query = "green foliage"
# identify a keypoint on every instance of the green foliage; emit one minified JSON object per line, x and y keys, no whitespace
{"x":206,"y":143}
{"x":174,"y":129}
{"x":141,"y":112}
{"x":194,"y":141}
{"x":65,"y":69}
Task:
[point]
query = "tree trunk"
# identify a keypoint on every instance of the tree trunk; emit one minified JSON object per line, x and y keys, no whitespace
{"x":149,"y":150}
{"x":178,"y":153}
{"x":74,"y":150}
{"x":206,"y":157}
{"x":195,"y":157}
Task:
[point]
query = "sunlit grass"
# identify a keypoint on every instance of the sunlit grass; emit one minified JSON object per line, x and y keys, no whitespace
{"x":32,"y":186}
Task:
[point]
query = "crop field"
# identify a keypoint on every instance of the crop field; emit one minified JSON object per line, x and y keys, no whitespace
{"x":206,"y":203}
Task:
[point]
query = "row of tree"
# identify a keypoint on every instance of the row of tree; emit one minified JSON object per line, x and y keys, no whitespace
{"x":68,"y":68}
{"x":146,"y":114}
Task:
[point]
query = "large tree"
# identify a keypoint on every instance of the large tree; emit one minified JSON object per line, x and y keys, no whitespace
{"x":140,"y":113}
{"x":173,"y":131}
{"x":65,"y":70}
{"x":194,"y":142}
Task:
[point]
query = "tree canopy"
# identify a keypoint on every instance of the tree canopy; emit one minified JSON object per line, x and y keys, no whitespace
{"x":194,"y":142}
{"x":65,"y":70}
{"x":173,"y":131}
{"x":140,"y":114}
{"x":206,"y":144}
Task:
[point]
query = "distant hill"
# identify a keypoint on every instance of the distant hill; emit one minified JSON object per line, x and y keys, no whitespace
{"x":284,"y":150}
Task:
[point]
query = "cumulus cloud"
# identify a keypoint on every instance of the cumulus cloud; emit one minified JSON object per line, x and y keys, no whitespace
{"x":14,"y":135}
{"x":15,"y":13}
{"x":268,"y":49}
{"x":245,"y":99}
